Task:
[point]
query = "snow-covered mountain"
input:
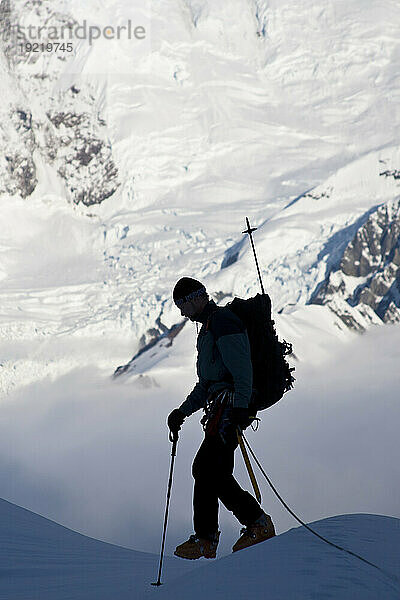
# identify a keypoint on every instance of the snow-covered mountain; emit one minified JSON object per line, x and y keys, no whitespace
{"x":323,"y":248}
{"x":283,"y":112}
{"x":41,"y":559}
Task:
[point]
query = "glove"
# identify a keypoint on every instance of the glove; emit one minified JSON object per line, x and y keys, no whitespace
{"x":240,"y":417}
{"x":175,"y":420}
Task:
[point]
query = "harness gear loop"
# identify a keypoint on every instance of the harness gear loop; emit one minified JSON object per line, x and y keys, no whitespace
{"x":214,"y":410}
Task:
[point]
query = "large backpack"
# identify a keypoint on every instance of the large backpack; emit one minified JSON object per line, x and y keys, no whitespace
{"x":272,"y":375}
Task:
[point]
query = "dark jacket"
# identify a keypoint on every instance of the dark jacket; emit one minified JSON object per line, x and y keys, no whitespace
{"x":223,"y":359}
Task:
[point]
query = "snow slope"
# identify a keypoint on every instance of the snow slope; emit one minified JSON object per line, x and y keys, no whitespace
{"x":298,"y":565}
{"x":42,"y":560}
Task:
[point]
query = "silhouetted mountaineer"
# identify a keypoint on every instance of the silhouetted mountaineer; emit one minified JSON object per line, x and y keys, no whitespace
{"x":224,"y":391}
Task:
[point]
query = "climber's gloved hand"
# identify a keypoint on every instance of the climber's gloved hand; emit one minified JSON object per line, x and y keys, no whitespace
{"x":175,"y":421}
{"x":240,"y":417}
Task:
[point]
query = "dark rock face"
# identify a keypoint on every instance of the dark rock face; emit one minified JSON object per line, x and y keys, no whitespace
{"x":18,"y":170}
{"x":76,"y":144}
{"x":84,"y":159}
{"x":395,"y":173}
{"x":66,"y":119}
{"x":152,"y":349}
{"x":366,"y":283}
{"x":22,"y":173}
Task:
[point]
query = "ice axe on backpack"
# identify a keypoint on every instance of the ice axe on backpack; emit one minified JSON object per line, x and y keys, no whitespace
{"x":246,"y":459}
{"x":249,"y":231}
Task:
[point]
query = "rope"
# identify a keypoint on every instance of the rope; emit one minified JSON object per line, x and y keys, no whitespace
{"x":392,"y":577}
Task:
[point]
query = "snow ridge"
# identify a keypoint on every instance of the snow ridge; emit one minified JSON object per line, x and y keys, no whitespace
{"x":65,"y":564}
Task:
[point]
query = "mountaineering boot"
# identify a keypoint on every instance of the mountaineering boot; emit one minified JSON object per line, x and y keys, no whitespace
{"x":257,"y":532}
{"x":196,"y":547}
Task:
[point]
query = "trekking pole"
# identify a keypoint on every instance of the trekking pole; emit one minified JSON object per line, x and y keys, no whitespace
{"x":249,"y":231}
{"x":248,"y":465}
{"x":174,"y":439}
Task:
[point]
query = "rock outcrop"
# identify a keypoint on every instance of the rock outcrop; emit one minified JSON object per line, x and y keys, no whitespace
{"x":365,"y":286}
